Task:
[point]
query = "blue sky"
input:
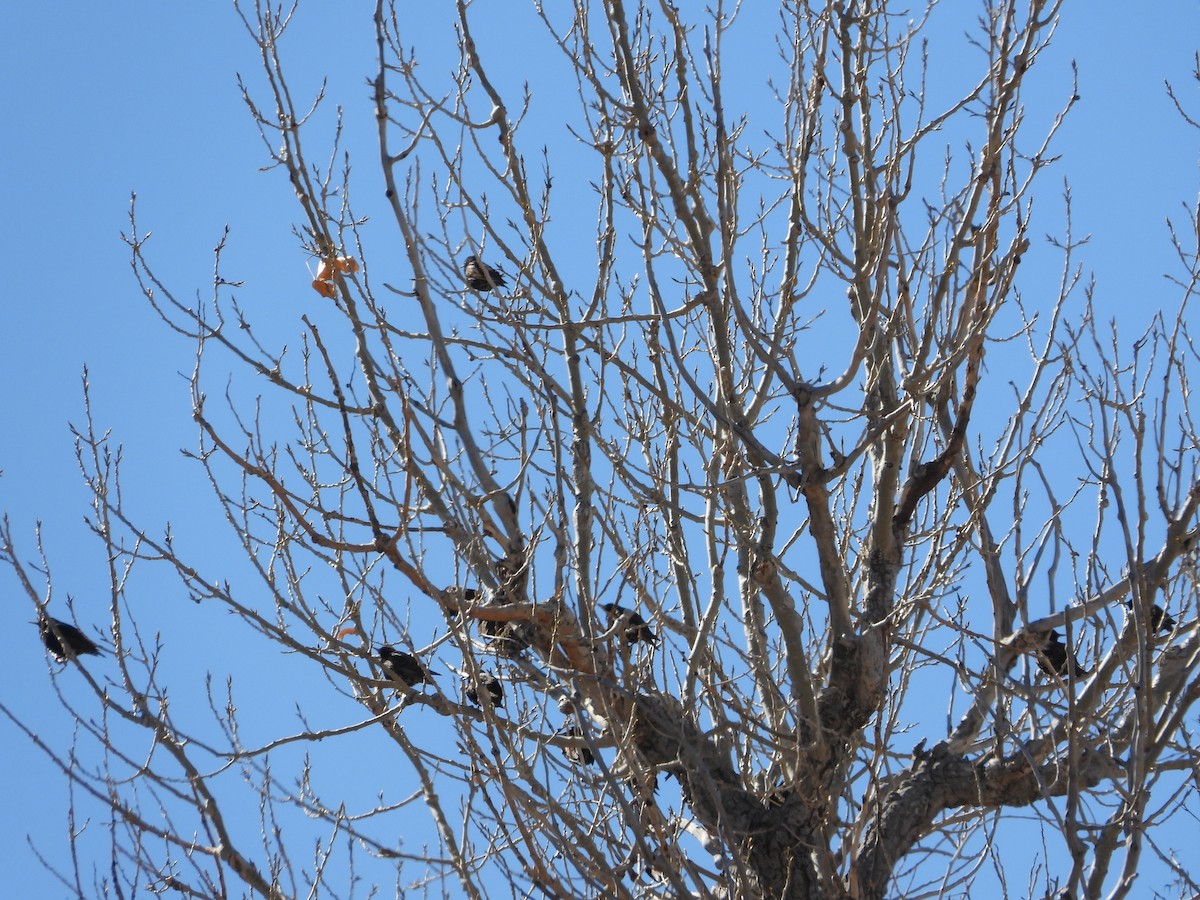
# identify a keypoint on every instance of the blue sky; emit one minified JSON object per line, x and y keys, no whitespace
{"x":101,"y":100}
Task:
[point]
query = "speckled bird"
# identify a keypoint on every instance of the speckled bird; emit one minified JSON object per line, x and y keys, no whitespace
{"x":634,"y":627}
{"x":403,"y":668}
{"x":1055,"y":658}
{"x":580,"y":755}
{"x":491,"y":684}
{"x":480,"y":276}
{"x":64,"y":640}
{"x":1159,"y":620}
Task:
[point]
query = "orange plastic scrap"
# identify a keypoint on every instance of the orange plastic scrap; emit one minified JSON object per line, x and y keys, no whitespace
{"x":324,"y":288}
{"x":329,"y":271}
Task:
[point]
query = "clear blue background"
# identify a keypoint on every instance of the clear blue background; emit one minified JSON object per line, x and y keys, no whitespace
{"x":100,"y":100}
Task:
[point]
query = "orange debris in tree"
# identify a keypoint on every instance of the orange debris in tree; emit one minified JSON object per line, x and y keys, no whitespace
{"x":331,"y":269}
{"x":324,"y":288}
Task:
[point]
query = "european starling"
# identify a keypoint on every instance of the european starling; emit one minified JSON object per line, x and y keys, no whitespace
{"x":480,"y":276}
{"x":635,"y":628}
{"x":645,"y":790}
{"x":509,"y":639}
{"x":580,"y":755}
{"x":403,"y":668}
{"x":63,"y":640}
{"x":491,"y":684}
{"x":1054,"y":658}
{"x":461,"y":594}
{"x":513,"y":574}
{"x":1159,"y":620}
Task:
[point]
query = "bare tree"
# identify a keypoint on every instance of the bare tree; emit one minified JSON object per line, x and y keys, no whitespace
{"x":712,"y":489}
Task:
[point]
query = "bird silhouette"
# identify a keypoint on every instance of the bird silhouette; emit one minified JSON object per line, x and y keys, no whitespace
{"x":403,"y":668}
{"x":634,"y":627}
{"x":1159,"y":620}
{"x":1055,"y":658}
{"x":489,"y":683}
{"x":64,"y":640}
{"x":462,"y":594}
{"x":480,"y":276}
{"x":580,"y":755}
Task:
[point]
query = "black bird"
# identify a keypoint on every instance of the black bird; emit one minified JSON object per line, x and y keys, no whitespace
{"x":580,"y":755}
{"x":643,"y":789}
{"x":480,"y":276}
{"x":465,"y":595}
{"x":1055,"y":658}
{"x":64,"y":640}
{"x":403,"y":668}
{"x":1159,"y":620}
{"x":635,"y":628}
{"x":489,"y":683}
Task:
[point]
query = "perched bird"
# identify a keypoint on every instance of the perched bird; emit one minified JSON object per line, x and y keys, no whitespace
{"x":489,"y":683}
{"x":510,"y":637}
{"x":1159,"y":620}
{"x":580,"y":755}
{"x":1055,"y":658}
{"x":64,"y":640}
{"x":643,"y":789}
{"x":480,"y":276}
{"x":635,"y":628}
{"x":403,"y":668}
{"x":454,"y":593}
